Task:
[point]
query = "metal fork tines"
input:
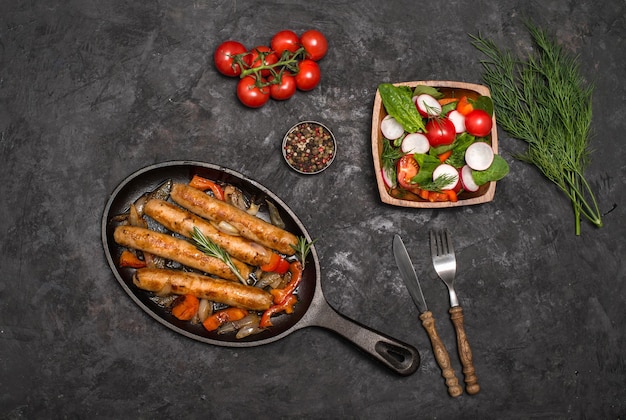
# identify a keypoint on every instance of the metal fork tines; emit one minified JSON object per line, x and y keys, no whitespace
{"x":444,"y":262}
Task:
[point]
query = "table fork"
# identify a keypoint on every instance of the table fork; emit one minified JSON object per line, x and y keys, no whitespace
{"x":444,"y":261}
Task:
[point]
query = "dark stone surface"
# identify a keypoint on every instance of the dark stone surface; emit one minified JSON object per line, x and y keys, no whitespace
{"x":93,"y":90}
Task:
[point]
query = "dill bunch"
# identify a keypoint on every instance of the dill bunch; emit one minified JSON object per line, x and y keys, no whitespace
{"x":545,"y":102}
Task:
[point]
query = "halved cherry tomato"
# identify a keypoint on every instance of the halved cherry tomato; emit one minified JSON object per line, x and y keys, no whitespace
{"x":250,"y":94}
{"x":283,"y":90}
{"x":315,"y":44}
{"x":285,"y":41}
{"x":282,"y":267}
{"x":308,"y":75}
{"x":478,"y":123}
{"x":407,"y":169}
{"x":223,"y":57}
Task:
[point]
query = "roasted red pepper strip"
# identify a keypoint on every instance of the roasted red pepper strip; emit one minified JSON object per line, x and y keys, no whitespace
{"x":223,"y":316}
{"x":128,"y":259}
{"x":286,"y":307}
{"x":186,"y":307}
{"x":284,"y":299}
{"x":272,"y":264}
{"x":280,"y":295}
{"x":205,"y":184}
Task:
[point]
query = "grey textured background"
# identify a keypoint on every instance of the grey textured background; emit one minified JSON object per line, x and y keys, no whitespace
{"x":91,"y":91}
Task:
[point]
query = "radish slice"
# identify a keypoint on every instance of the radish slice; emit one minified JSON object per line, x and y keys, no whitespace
{"x":427,"y":105}
{"x":387,"y":178}
{"x":415,"y":143}
{"x":448,"y":171}
{"x":479,"y":156}
{"x":391,"y":128}
{"x":458,"y":120}
{"x":468,"y":180}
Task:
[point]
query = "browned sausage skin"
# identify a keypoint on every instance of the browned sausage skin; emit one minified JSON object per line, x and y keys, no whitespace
{"x":203,"y":287}
{"x":182,"y":222}
{"x":250,"y":227}
{"x":175,"y":249}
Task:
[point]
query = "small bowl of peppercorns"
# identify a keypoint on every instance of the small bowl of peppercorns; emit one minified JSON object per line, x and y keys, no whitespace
{"x":309,"y":147}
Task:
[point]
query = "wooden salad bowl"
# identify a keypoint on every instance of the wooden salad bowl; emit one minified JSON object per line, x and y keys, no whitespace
{"x":396,"y":197}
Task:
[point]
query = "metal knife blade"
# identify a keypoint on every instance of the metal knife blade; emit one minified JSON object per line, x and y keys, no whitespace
{"x":407,"y":271}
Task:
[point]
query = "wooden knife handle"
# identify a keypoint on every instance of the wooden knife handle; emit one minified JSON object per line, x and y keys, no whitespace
{"x":441,"y":354}
{"x":465,"y":353}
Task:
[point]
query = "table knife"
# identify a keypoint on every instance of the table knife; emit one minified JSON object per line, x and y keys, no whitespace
{"x":407,"y":271}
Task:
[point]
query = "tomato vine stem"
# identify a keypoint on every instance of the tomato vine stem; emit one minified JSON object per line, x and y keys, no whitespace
{"x":287,"y":63}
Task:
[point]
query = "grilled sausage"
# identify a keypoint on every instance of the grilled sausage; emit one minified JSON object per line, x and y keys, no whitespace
{"x":249,"y":226}
{"x":203,"y":287}
{"x":182,"y":222}
{"x":176,"y":249}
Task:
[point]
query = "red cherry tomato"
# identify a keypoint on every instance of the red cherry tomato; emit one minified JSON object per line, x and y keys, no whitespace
{"x":250,"y":94}
{"x":282,"y":267}
{"x":283,"y":90}
{"x":478,"y":123}
{"x":440,"y":131}
{"x":261,"y":56}
{"x":223,"y":57}
{"x":315,"y":44}
{"x":285,"y":40}
{"x":308,"y":75}
{"x":407,"y":169}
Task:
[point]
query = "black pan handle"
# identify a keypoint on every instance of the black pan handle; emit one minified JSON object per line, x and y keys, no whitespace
{"x":403,"y":358}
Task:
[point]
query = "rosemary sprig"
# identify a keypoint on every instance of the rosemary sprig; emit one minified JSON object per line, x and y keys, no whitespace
{"x":302,"y":248}
{"x":210,"y":248}
{"x":545,"y":102}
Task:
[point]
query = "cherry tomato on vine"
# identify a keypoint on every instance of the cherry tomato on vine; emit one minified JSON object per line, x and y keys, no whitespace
{"x":261,"y":56}
{"x":440,"y":131}
{"x":283,"y":90}
{"x":250,"y":94}
{"x":478,"y":123}
{"x":315,"y":44}
{"x":223,"y":57}
{"x":285,"y":40}
{"x":308,"y":75}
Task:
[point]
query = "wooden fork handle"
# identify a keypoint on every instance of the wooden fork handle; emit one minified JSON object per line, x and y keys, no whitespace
{"x":441,"y":354}
{"x":465,"y":353}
